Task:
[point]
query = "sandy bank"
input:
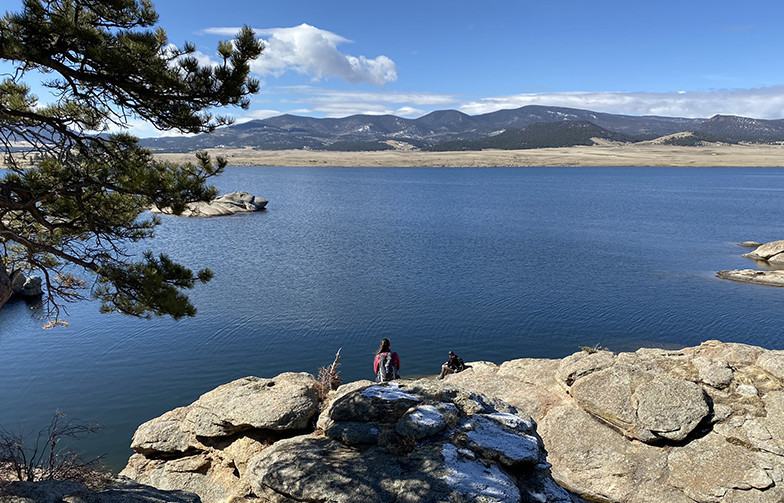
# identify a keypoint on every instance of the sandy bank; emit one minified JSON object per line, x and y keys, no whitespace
{"x":599,"y":155}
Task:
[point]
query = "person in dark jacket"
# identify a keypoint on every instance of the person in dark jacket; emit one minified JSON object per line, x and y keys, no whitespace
{"x":452,"y":366}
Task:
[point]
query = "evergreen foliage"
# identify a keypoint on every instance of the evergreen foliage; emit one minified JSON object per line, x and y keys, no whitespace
{"x":691,"y":140}
{"x":72,"y":197}
{"x":357,"y":146}
{"x":539,"y":135}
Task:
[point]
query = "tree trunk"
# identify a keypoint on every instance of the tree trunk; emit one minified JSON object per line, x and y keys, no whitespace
{"x":5,"y":285}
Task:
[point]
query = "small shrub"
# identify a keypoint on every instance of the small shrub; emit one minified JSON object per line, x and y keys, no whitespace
{"x":46,"y":458}
{"x":328,"y":379}
{"x":592,"y":349}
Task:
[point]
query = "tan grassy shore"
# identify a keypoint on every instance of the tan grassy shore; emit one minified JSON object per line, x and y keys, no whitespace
{"x":599,"y":155}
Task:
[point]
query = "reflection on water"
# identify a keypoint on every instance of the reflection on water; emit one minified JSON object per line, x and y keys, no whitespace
{"x":491,"y":263}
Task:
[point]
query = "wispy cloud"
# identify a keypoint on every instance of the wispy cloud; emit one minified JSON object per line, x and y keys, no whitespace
{"x":259,"y":114}
{"x":314,"y":52}
{"x":760,"y":103}
{"x":337,"y":103}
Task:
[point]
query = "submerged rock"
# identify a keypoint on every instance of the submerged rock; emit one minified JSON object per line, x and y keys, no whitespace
{"x":227,"y":204}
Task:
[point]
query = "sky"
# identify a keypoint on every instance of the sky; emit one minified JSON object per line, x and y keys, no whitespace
{"x":684,"y":58}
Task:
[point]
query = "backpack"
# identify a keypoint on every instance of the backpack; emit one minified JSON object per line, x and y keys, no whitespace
{"x":386,"y":369}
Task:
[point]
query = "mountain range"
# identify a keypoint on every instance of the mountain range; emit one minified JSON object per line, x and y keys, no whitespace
{"x":530,"y":126}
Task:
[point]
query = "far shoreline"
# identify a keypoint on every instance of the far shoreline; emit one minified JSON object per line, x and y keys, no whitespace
{"x":606,"y":155}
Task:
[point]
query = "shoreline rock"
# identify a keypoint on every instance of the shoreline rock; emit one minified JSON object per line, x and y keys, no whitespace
{"x":770,"y":255}
{"x":23,"y":286}
{"x":767,"y":278}
{"x":227,"y":204}
{"x":121,"y":489}
{"x":418,"y":441}
{"x":633,"y":427}
{"x":772,"y":252}
{"x":702,"y":424}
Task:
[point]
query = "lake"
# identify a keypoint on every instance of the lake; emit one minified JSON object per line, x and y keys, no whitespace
{"x":492,"y":263}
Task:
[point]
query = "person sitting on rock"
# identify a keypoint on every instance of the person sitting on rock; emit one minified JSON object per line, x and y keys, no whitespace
{"x":386,"y":365}
{"x":452,"y":366}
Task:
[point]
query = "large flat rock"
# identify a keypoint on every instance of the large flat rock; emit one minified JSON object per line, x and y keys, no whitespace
{"x":700,"y":424}
{"x":418,"y":441}
{"x":767,"y":278}
{"x":227,"y":204}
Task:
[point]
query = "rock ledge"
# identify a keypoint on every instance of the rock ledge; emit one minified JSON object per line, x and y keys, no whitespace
{"x":227,"y":204}
{"x":770,"y":255}
{"x":411,"y":441}
{"x":702,"y":424}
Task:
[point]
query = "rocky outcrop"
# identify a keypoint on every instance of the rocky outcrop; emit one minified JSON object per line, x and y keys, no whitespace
{"x":769,"y":254}
{"x":26,"y":286}
{"x":419,"y":441}
{"x":702,"y":424}
{"x":767,"y":278}
{"x":6,"y":291}
{"x":205,"y":447}
{"x":227,"y":204}
{"x":121,"y":490}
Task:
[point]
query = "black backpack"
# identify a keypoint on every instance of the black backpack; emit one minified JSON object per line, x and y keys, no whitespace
{"x":386,"y":369}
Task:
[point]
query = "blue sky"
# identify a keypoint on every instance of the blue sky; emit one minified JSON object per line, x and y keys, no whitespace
{"x":333,"y":59}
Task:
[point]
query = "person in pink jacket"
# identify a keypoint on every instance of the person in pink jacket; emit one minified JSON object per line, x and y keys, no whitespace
{"x":386,"y":364}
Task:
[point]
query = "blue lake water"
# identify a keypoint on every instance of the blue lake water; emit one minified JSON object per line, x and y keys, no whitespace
{"x":492,"y":263}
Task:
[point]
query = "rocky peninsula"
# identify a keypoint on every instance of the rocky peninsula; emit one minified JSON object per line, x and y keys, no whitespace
{"x":227,"y":204}
{"x":768,"y":255}
{"x":700,"y":424}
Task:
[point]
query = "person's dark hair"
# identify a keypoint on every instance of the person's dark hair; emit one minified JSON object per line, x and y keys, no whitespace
{"x":385,"y":346}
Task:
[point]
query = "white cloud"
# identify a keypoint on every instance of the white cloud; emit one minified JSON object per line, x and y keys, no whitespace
{"x":143,"y":129}
{"x":409,"y":112}
{"x":338,"y":103}
{"x":258,"y":114}
{"x":203,"y":59}
{"x":314,"y":52}
{"x":760,"y":103}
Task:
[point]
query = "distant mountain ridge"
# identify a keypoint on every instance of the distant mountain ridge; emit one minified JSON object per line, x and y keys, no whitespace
{"x":455,"y":130}
{"x":732,"y":129}
{"x":540,"y":135}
